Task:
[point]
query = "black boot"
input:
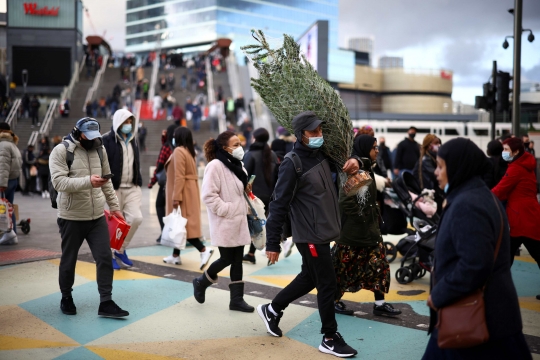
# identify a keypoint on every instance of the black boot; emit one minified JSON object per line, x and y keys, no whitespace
{"x":237,"y":298}
{"x":199,"y":286}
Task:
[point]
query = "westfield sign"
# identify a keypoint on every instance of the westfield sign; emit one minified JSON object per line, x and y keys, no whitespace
{"x":32,"y":9}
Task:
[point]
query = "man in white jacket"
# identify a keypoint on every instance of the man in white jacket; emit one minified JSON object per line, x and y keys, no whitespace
{"x":123,"y":153}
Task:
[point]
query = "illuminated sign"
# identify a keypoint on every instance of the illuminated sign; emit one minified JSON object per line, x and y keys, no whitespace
{"x":32,"y":9}
{"x":309,"y":46}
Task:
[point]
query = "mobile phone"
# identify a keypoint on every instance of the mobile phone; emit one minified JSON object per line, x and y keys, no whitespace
{"x":108,"y":176}
{"x":251,"y":179}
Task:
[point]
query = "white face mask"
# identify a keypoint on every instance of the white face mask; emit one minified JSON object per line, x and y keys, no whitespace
{"x":238,"y":153}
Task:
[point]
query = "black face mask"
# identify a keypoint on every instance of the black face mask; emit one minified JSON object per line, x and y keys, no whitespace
{"x":526,"y":145}
{"x":412,"y":135}
{"x":87,"y":144}
{"x":381,"y":144}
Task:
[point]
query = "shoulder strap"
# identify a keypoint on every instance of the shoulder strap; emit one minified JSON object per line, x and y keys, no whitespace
{"x":69,"y":155}
{"x":296,"y":161}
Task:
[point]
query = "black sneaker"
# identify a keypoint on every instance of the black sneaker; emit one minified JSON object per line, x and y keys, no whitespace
{"x":537,"y":297}
{"x":158,"y":240}
{"x":385,"y":310}
{"x":110,"y":309}
{"x":270,"y":320}
{"x":67,"y":306}
{"x":249,"y":258}
{"x":337,"y":347}
{"x":341,"y":308}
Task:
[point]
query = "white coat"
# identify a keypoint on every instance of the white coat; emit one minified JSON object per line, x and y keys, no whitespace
{"x":223,"y":195}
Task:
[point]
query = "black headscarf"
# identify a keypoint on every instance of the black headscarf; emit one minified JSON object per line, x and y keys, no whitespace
{"x":494,"y":148}
{"x":362,"y":146}
{"x":232,"y":164}
{"x":464,"y":160}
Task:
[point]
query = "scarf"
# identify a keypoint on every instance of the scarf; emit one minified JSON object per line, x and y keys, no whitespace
{"x":232,"y":164}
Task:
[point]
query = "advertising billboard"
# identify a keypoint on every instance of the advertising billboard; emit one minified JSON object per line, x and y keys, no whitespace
{"x":314,"y":45}
{"x":309,"y":45}
{"x":56,"y":14}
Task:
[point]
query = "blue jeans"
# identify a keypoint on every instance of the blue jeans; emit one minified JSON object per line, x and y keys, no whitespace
{"x":10,"y":195}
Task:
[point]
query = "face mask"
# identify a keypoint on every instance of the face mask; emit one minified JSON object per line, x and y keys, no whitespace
{"x":173,"y":142}
{"x":87,"y":144}
{"x":315,"y":142}
{"x":238,"y":153}
{"x":446,"y":188}
{"x":126,"y":128}
{"x":412,"y":135}
{"x":506,"y":156}
{"x":435,"y":148}
{"x":382,"y":144}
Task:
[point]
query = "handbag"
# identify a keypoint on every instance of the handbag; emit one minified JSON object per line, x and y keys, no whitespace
{"x":174,"y":232}
{"x":118,"y":230}
{"x":33,"y":170}
{"x":463,"y":324}
{"x":162,"y":177}
{"x":254,"y":223}
{"x":259,"y":240}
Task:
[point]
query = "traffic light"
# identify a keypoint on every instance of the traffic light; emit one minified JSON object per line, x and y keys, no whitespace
{"x":503,"y":91}
{"x":486,"y":101}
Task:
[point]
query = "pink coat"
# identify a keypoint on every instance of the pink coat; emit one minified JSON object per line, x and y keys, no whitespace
{"x":223,"y":195}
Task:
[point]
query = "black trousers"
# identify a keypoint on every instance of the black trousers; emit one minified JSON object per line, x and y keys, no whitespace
{"x":228,"y":256}
{"x":160,"y":206}
{"x":96,"y":233}
{"x":195,"y":242}
{"x":317,"y":272}
{"x":533,"y":246}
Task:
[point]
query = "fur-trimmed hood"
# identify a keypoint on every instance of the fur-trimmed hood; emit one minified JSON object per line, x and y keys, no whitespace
{"x":8,"y":135}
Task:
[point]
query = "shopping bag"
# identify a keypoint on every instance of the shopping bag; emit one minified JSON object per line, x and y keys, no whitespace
{"x":118,"y":230}
{"x":259,"y":239}
{"x":6,"y":211}
{"x":174,"y":230}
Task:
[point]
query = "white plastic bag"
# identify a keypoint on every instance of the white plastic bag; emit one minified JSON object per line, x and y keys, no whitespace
{"x":6,"y":211}
{"x":259,"y":241}
{"x":189,"y":115}
{"x":174,"y":230}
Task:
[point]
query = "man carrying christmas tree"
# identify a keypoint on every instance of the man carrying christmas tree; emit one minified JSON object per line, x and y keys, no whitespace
{"x":312,"y":201}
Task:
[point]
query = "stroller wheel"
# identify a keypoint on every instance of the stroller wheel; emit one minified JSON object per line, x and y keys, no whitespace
{"x":416,"y":271}
{"x":391,"y":251}
{"x":422,"y":273}
{"x":403,"y":275}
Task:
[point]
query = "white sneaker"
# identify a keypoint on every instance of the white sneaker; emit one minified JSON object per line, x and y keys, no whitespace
{"x":205,"y":256}
{"x":43,"y":194}
{"x":47,"y":194}
{"x":9,"y":238}
{"x":287,"y":247}
{"x":172,"y":260}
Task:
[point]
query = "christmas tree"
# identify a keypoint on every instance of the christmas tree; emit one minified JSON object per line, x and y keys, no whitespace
{"x":288,"y":84}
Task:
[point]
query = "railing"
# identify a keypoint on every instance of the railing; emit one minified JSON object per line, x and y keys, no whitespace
{"x":97,"y":79}
{"x":82,"y":64}
{"x":66,"y":94}
{"x":210,"y":81}
{"x":153,"y":78}
{"x":232,"y":73}
{"x":47,"y":124}
{"x":12,"y":116}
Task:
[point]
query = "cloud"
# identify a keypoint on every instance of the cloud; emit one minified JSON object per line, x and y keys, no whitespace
{"x":532,"y":74}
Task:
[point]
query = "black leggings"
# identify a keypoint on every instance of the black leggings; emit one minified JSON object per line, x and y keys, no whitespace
{"x":228,"y":256}
{"x":195,"y":242}
{"x":160,"y":206}
{"x":533,"y":246}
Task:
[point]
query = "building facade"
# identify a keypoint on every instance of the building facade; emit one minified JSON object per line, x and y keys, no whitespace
{"x":186,"y":24}
{"x":386,"y":62}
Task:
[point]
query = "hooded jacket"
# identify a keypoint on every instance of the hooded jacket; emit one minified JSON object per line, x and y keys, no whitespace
{"x":518,"y":187}
{"x":123,"y":153}
{"x":10,"y":158}
{"x":77,"y":199}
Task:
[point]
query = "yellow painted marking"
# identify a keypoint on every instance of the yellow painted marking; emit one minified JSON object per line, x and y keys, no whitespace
{"x":17,"y":343}
{"x":526,"y":258}
{"x":88,"y":271}
{"x":529,"y":303}
{"x":113,"y":354}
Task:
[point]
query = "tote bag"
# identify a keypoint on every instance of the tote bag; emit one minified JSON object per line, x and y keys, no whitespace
{"x":174,"y":230}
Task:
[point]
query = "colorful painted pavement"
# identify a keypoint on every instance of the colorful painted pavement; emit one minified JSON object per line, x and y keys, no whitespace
{"x":166,"y":322}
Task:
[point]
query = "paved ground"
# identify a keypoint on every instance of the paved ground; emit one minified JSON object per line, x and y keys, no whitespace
{"x":166,"y":322}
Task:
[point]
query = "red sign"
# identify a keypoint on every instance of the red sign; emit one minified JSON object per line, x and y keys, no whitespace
{"x":32,"y":9}
{"x":446,"y":75}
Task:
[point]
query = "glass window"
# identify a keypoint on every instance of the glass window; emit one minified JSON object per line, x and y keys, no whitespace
{"x":172,"y":21}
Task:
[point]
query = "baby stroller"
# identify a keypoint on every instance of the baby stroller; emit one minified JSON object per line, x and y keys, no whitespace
{"x":419,"y":248}
{"x":394,"y":221}
{"x":405,"y":184}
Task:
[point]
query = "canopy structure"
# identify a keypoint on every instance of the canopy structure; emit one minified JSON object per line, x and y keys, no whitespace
{"x":96,"y":41}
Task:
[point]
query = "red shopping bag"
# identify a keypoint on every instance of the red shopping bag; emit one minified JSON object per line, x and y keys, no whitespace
{"x":118,"y":230}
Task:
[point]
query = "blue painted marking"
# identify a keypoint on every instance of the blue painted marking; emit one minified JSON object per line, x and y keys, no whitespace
{"x":418,"y":307}
{"x":4,"y":267}
{"x":372,"y":340}
{"x":526,"y":278}
{"x":140,"y":297}
{"x":156,"y":250}
{"x":80,"y":353}
{"x":285,"y":266}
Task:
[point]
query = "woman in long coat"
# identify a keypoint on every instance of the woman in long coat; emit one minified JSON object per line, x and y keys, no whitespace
{"x":468,"y":232}
{"x":182,"y":190}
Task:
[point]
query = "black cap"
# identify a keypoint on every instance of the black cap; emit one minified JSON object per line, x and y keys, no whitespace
{"x":306,"y":120}
{"x":4,"y":126}
{"x":413,"y":128}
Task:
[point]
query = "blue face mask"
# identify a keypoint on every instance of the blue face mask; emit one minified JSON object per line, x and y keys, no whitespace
{"x":446,"y":188}
{"x":506,"y":156}
{"x":126,"y":128}
{"x":315,"y":142}
{"x":173,"y":142}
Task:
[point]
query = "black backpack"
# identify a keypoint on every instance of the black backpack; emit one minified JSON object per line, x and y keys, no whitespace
{"x":69,"y":161}
{"x":287,"y":228}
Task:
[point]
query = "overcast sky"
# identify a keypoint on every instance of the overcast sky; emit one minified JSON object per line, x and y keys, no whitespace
{"x":461,"y":35}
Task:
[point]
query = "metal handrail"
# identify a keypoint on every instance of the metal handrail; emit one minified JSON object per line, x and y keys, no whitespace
{"x":83,"y":61}
{"x":153,"y":78}
{"x":33,"y":138}
{"x":12,"y":117}
{"x":66,"y":94}
{"x":97,"y":79}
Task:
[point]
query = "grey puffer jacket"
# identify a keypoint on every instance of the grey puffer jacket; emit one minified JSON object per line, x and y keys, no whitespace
{"x":77,"y":199}
{"x":10,"y":158}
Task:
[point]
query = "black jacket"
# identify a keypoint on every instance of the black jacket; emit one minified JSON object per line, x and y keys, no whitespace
{"x":407,"y":154}
{"x":464,"y":252}
{"x":497,"y":171}
{"x":254,"y":166}
{"x":116,"y":159}
{"x":314,"y":209}
{"x":429,"y":180}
